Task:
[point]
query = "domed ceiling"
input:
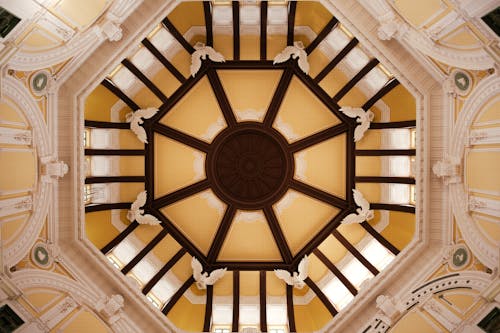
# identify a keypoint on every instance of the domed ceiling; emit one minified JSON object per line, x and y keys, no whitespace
{"x":250,"y":164}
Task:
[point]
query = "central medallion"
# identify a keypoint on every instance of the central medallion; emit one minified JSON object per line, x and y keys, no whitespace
{"x":250,"y":166}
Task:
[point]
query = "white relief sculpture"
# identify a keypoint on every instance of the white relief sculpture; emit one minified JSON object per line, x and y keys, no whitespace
{"x":203,"y":52}
{"x":390,"y":27}
{"x":205,"y":279}
{"x":52,"y":169}
{"x":15,"y":136}
{"x":112,"y":31}
{"x":364,"y":118}
{"x":447,"y":169}
{"x":387,"y":306}
{"x":364,"y":213}
{"x":295,"y":51}
{"x":137,"y":214}
{"x":111,"y":307}
{"x":136,"y":120}
{"x":297,"y":278}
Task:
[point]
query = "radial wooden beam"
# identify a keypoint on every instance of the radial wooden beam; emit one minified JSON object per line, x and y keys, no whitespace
{"x":263,"y":300}
{"x":381,"y":239}
{"x":166,"y":309}
{"x":106,"y":124}
{"x":117,"y":179}
{"x":236,"y":301}
{"x":278,"y":96}
{"x":177,"y":35}
{"x":120,"y":94}
{"x":115,"y":152}
{"x":207,"y":10}
{"x":393,"y":207}
{"x":144,"y":79}
{"x":292,"y":9}
{"x":394,"y":124}
{"x":335,"y":61}
{"x":118,"y":239}
{"x":278,"y":235}
{"x":318,"y":194}
{"x":319,"y":137}
{"x":109,"y":206}
{"x":221,"y":96}
{"x":389,"y":180}
{"x":322,"y":35}
{"x":208,"y":308}
{"x":236,"y":30}
{"x":181,"y":137}
{"x":144,"y":252}
{"x":391,"y":84}
{"x":149,"y":163}
{"x":342,"y":278}
{"x":386,"y":152}
{"x":250,"y":266}
{"x":354,"y":252}
{"x":151,"y":283}
{"x":350,"y":167}
{"x":355,"y":79}
{"x":221,"y":234}
{"x":263,"y":30}
{"x":289,"y":308}
{"x":165,"y":62}
{"x":180,"y":194}
{"x":322,"y":297}
{"x":249,"y":64}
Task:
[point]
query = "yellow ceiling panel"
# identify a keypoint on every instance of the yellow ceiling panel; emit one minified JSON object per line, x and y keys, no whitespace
{"x":401,"y":103}
{"x":187,"y":14}
{"x":333,"y":81}
{"x":182,"y":269}
{"x":274,"y":286}
{"x":145,"y":233}
{"x":352,"y":232}
{"x":312,"y":14}
{"x":275,"y":44}
{"x":224,"y":45}
{"x":249,"y":283}
{"x":333,"y":249}
{"x":249,"y":47}
{"x":165,"y":80}
{"x":316,"y":268}
{"x":166,"y":248}
{"x":224,"y":286}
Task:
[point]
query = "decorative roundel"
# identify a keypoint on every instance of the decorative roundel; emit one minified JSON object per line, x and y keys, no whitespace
{"x":40,"y":255}
{"x":460,"y":257}
{"x":462,"y":82}
{"x":39,"y":82}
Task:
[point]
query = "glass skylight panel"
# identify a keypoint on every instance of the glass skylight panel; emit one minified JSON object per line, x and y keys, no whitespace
{"x":356,"y":273}
{"x":276,"y":314}
{"x":399,"y":194}
{"x":277,"y":14}
{"x":101,"y":166}
{"x":377,"y":254}
{"x":338,"y":294}
{"x":337,"y":40}
{"x":125,"y":251}
{"x":399,"y":166}
{"x":249,"y":14}
{"x":144,"y":270}
{"x":356,"y":59}
{"x":124,"y":79}
{"x":164,"y":289}
{"x":101,"y":138}
{"x":143,"y":59}
{"x":162,"y":40}
{"x":376,"y":79}
{"x":398,"y":138}
{"x":222,"y":15}
{"x":249,"y":314}
{"x":222,"y":314}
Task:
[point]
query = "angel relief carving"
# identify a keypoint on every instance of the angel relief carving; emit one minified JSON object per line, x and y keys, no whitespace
{"x":204,"y":279}
{"x":136,"y":120}
{"x":202,"y":53}
{"x":137,"y":214}
{"x":295,"y":51}
{"x":364,"y":118}
{"x":363,"y":213}
{"x":297,"y":278}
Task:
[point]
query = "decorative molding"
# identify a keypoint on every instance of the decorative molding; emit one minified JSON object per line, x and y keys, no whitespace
{"x":294,"y":52}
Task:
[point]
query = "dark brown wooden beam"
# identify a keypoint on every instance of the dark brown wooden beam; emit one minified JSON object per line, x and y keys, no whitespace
{"x":289,"y":308}
{"x":105,"y":124}
{"x":178,"y":294}
{"x":118,"y":239}
{"x":355,"y":79}
{"x":318,"y":194}
{"x":180,"y":194}
{"x":342,"y":278}
{"x":236,"y":30}
{"x":120,"y":94}
{"x":151,"y":283}
{"x":394,"y":124}
{"x":263,"y":300}
{"x":278,"y":96}
{"x":207,"y":10}
{"x":322,"y":35}
{"x":335,"y":61}
{"x":278,"y":235}
{"x":100,"y":207}
{"x":165,"y":62}
{"x":144,"y":79}
{"x":389,"y":180}
{"x":177,"y":35}
{"x":250,"y":266}
{"x":249,"y":64}
{"x":144,"y":252}
{"x":354,"y":252}
{"x":221,"y":96}
{"x":236,"y":301}
{"x":208,"y":308}
{"x":391,"y":84}
{"x":149,"y":163}
{"x":220,"y":236}
{"x":292,"y":9}
{"x":116,"y":179}
{"x":381,"y":239}
{"x":115,"y":152}
{"x":386,"y":152}
{"x":263,"y":30}
{"x":181,"y":137}
{"x":393,"y":207}
{"x":350,"y":167}
{"x":318,"y":137}
{"x":322,"y":297}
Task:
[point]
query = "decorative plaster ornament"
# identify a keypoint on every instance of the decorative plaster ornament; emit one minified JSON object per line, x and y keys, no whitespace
{"x":205,"y":279}
{"x":136,"y":120}
{"x":364,"y":119}
{"x":295,"y":51}
{"x":137,"y":214}
{"x":203,"y":52}
{"x":363,"y":213}
{"x":297,"y":279}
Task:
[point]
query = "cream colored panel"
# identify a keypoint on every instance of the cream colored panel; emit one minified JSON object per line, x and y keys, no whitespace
{"x":418,"y":12}
{"x":10,"y":114}
{"x":491,"y":113}
{"x":482,"y":170}
{"x":414,"y":322}
{"x":41,"y":298}
{"x":490,"y":228}
{"x":10,"y":228}
{"x":18,"y":170}
{"x":462,"y":38}
{"x":249,"y":283}
{"x":84,"y":322}
{"x":81,"y":12}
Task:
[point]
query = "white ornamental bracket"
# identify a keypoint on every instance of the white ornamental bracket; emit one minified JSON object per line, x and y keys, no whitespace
{"x":448,"y":170}
{"x":111,"y":308}
{"x":53,"y":169}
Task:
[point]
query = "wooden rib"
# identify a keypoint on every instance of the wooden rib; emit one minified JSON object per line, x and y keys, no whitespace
{"x":292,"y":9}
{"x":289,"y":308}
{"x":117,"y":179}
{"x":278,"y":235}
{"x":389,"y":180}
{"x":144,"y":252}
{"x":322,"y":35}
{"x":109,"y":206}
{"x":335,"y":61}
{"x":149,"y":164}
{"x":120,"y":94}
{"x":394,"y":124}
{"x":249,"y":64}
{"x":144,"y":79}
{"x":166,"y":309}
{"x":354,"y":252}
{"x":350,"y":167}
{"x":180,"y":194}
{"x":151,"y":283}
{"x":181,"y":137}
{"x":236,"y":30}
{"x":342,"y":278}
{"x":361,"y":74}
{"x":318,"y":194}
{"x":220,"y":236}
{"x":386,"y":152}
{"x":278,"y":96}
{"x":121,"y":236}
{"x":115,"y":152}
{"x":106,"y":124}
{"x":393,"y":207}
{"x":161,"y":58}
{"x":318,"y":137}
{"x":207,"y":9}
{"x":208,"y":306}
{"x":263,"y":301}
{"x":250,"y":266}
{"x":177,"y":35}
{"x":236,"y":301}
{"x":381,"y":239}
{"x":221,"y":96}
{"x":263,"y":30}
{"x":326,"y":302}
{"x":391,"y":84}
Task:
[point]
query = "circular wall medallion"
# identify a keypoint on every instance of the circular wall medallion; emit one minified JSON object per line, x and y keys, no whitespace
{"x":460,"y":257}
{"x":250,"y":166}
{"x":462,"y":82}
{"x":40,"y":255}
{"x":39,"y":82}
